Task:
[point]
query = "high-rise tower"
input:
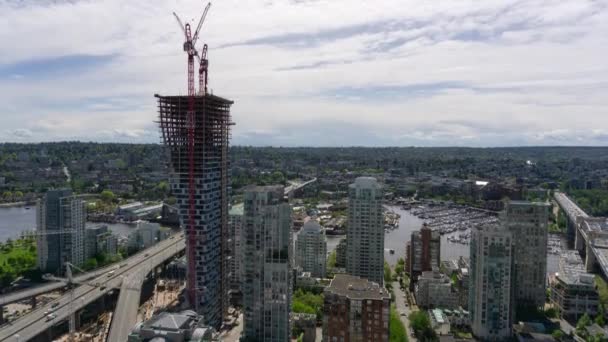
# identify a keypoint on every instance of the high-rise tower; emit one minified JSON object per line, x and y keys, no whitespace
{"x":200,"y":183}
{"x":266,"y":278}
{"x":365,"y":234}
{"x":61,"y":219}
{"x":490,"y":283}
{"x":528,"y":223}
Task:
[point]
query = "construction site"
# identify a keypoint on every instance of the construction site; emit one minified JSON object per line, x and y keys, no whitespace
{"x":196,"y":132}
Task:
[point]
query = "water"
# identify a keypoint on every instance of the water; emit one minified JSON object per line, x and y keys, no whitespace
{"x":15,"y":220}
{"x":396,"y":240}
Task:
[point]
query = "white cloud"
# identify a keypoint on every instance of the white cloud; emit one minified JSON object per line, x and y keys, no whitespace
{"x":529,"y":71}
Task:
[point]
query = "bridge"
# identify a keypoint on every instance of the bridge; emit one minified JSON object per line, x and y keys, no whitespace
{"x":590,"y":233}
{"x":294,"y":189}
{"x":137,"y":266}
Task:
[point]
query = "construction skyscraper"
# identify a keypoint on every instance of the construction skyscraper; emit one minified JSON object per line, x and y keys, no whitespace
{"x":200,"y":183}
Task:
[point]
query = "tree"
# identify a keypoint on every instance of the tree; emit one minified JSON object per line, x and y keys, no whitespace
{"x":599,"y":319}
{"x":388,"y":278}
{"x":558,"y":334}
{"x":107,"y":196}
{"x":421,"y":323}
{"x":397,"y":331}
{"x":90,"y":264}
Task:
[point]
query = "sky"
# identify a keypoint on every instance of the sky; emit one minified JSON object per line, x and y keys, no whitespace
{"x":313,"y":72}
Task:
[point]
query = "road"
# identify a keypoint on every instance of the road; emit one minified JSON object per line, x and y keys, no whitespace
{"x":402,"y":307}
{"x":41,"y":289}
{"x":35,"y":322}
{"x":125,"y":314}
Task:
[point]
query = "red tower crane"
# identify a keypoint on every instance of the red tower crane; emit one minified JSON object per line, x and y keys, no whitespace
{"x":189,"y":48}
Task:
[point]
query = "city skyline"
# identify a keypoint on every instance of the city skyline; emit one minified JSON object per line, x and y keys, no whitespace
{"x":497,"y":73}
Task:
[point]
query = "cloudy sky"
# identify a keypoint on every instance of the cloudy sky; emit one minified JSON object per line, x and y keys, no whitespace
{"x":313,"y":72}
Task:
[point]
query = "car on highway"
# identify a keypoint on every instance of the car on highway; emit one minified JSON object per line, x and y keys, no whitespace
{"x":146,"y":254}
{"x":56,"y":304}
{"x":50,"y":317}
{"x":111,"y":273}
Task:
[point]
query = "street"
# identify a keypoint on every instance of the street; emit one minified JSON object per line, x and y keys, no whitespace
{"x":402,"y":308}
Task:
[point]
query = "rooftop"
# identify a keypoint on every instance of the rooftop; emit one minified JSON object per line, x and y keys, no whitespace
{"x":356,"y":288}
{"x":312,"y":226}
{"x":366,"y":182}
{"x":237,"y":209}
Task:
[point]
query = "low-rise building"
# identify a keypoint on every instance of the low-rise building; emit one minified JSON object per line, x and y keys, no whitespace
{"x":100,"y":240}
{"x":439,"y":322}
{"x":434,"y":290}
{"x":355,"y":309}
{"x":173,"y":327}
{"x":306,"y":324}
{"x":573,"y":291}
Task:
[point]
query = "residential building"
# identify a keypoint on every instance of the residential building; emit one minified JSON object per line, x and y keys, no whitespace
{"x":341,"y":253}
{"x":527,"y":222}
{"x":490,"y":282}
{"x":267,"y":276}
{"x":355,"y":310}
{"x":423,"y":252}
{"x":185,"y":326}
{"x":365,"y":234}
{"x":100,"y":240}
{"x":61,"y":219}
{"x":573,"y":291}
{"x":235,"y":252}
{"x":434,"y":290}
{"x":200,"y":182}
{"x":311,"y":249}
{"x":462,"y":282}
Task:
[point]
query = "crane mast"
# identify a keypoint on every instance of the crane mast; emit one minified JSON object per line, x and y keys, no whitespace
{"x":189,"y":47}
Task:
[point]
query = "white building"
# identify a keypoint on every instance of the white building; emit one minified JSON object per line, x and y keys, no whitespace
{"x":490,"y":283}
{"x":434,"y":290}
{"x":147,"y":234}
{"x":365,"y":234}
{"x":573,"y":290}
{"x":267,"y":276}
{"x":311,"y":249}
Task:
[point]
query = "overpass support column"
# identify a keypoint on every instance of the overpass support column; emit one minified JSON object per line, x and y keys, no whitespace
{"x":33,"y":302}
{"x":1,"y":315}
{"x":579,"y":244}
{"x":589,"y":259}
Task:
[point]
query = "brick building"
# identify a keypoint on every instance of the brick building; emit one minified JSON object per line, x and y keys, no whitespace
{"x":355,"y":309}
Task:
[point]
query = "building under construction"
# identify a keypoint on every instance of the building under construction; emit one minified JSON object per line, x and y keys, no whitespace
{"x":200,"y":182}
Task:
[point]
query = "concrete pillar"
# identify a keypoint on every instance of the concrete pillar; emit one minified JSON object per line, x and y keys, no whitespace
{"x":33,"y":302}
{"x":579,"y":242}
{"x":1,"y":315}
{"x":77,"y":319}
{"x":590,"y":260}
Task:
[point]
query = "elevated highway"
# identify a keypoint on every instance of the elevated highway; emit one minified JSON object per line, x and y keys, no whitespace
{"x":35,"y":322}
{"x":590,"y":234}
